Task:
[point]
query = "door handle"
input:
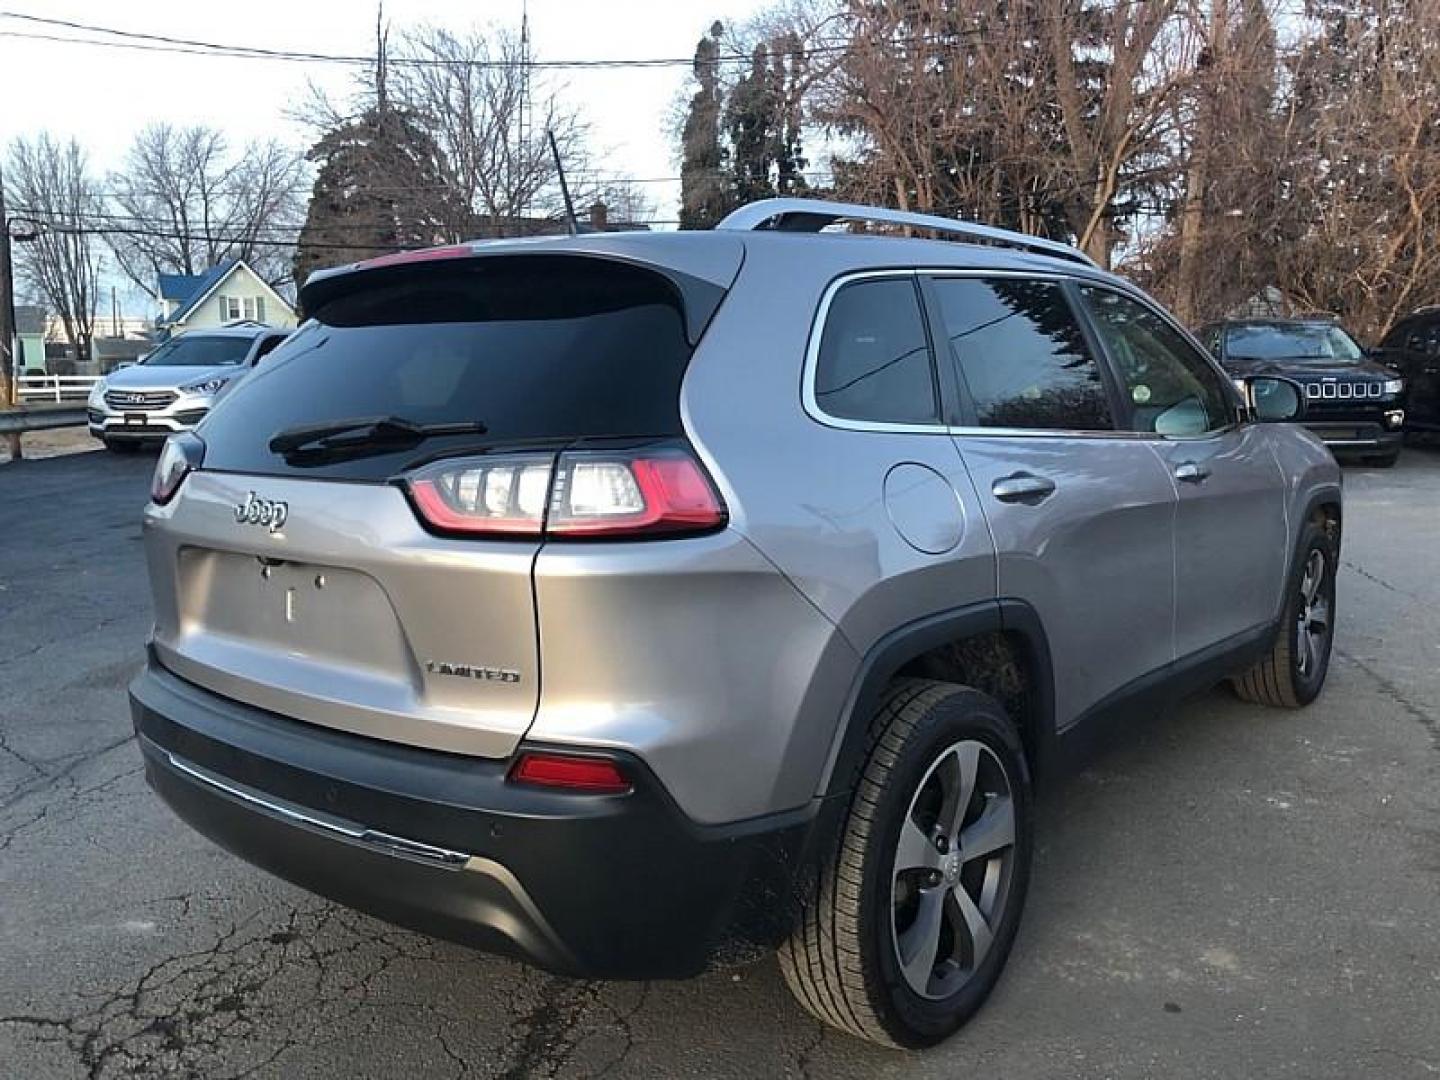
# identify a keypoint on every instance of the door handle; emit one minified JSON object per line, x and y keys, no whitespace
{"x":1191,"y":472}
{"x":1022,"y":488}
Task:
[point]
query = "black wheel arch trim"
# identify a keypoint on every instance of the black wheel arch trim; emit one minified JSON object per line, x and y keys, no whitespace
{"x":1328,"y":495}
{"x":892,"y":652}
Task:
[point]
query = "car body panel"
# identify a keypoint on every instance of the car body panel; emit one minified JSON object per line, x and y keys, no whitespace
{"x":1094,"y":558}
{"x":347,"y":615}
{"x":697,"y":656}
{"x":1237,"y":507}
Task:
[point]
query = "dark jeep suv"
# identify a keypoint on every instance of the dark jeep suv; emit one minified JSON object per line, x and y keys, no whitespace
{"x":1355,"y":403}
{"x":1412,"y":347}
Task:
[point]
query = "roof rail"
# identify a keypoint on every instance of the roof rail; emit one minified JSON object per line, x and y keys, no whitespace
{"x":812,"y":215}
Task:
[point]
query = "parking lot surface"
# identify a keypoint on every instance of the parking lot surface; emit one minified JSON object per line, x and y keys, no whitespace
{"x":1231,"y":892}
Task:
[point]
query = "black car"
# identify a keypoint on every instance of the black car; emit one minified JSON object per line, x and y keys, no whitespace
{"x":1412,"y":347}
{"x":1354,"y":402}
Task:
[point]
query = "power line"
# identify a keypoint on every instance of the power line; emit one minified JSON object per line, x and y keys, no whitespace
{"x":131,"y":39}
{"x":148,"y":42}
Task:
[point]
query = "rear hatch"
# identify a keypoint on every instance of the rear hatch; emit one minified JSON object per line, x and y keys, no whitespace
{"x":297,"y":576}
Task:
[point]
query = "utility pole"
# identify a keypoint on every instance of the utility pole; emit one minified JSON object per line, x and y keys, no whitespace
{"x":7,"y":323}
{"x":7,"y":307}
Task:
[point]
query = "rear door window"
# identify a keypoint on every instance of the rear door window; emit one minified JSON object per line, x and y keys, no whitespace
{"x":874,"y":360}
{"x":1022,"y":355}
{"x":546,"y":349}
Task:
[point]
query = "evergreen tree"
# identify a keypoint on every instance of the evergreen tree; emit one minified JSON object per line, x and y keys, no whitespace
{"x":705,"y":194}
{"x":381,"y":186}
{"x":762,"y":119}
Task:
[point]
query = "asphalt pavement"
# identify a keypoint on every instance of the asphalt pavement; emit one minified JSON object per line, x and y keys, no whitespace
{"x":1233,"y":892}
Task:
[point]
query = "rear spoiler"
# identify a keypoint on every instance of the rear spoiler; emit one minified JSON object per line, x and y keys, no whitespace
{"x":699,"y":274}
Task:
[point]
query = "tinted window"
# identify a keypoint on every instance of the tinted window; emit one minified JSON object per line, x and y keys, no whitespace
{"x":874,"y":361}
{"x":1172,"y":389}
{"x":197,"y":350}
{"x":1315,"y":341}
{"x":546,"y":348}
{"x":269,"y":345}
{"x":1022,"y":354}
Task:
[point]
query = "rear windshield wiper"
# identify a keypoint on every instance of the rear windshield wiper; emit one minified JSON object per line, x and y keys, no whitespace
{"x":366,"y":431}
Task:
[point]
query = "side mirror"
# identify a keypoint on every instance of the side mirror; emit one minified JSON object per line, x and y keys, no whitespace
{"x":1274,"y":400}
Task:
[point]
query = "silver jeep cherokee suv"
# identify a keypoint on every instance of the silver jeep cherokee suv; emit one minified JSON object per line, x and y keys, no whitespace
{"x":633,"y":604}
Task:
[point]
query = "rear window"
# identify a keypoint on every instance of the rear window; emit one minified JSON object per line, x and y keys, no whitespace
{"x":536,"y":348}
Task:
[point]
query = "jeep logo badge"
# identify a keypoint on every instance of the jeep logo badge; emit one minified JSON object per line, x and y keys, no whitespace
{"x":271,"y":513}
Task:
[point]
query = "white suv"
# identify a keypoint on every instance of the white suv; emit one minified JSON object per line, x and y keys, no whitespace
{"x":173,"y":388}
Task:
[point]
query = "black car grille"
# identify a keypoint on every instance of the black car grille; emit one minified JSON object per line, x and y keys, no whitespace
{"x":141,"y":400}
{"x":1342,"y":390}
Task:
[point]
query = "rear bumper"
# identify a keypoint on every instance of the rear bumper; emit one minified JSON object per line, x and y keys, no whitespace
{"x":588,"y":885}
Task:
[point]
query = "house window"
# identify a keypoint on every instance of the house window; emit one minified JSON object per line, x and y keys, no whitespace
{"x":255,"y":308}
{"x":230,"y":308}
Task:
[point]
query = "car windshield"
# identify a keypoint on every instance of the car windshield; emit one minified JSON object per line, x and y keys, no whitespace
{"x":1318,"y":341}
{"x":196,"y":351}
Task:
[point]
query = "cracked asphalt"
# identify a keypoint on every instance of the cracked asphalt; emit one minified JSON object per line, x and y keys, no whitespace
{"x":1233,"y":892}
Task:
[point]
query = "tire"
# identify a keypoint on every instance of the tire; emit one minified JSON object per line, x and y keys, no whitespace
{"x":843,"y":961}
{"x":1289,"y":677}
{"x":121,"y":446}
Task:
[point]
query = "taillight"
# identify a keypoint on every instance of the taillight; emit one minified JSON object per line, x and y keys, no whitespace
{"x":181,"y":455}
{"x":503,"y":494}
{"x":656,"y":491}
{"x":599,"y":776}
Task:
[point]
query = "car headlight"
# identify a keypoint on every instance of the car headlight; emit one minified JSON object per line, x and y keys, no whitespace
{"x":209,"y":386}
{"x":97,"y":391}
{"x":1394,"y":386}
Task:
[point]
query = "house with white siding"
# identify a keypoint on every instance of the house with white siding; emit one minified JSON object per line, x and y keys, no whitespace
{"x":222,"y":296}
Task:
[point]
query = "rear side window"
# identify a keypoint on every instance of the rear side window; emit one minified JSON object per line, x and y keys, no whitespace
{"x":535,"y":348}
{"x":874,"y":361}
{"x":1022,"y":355}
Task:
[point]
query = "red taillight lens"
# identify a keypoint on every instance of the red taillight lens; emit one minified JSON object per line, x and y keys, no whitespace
{"x":181,"y":455}
{"x":503,"y":495}
{"x":598,"y":776}
{"x":632,"y":494}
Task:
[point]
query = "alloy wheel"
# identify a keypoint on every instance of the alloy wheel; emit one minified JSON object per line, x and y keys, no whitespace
{"x":953,"y":871}
{"x":1312,"y":626}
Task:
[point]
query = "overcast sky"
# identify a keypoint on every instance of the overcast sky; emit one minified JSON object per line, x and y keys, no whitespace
{"x":103,"y":95}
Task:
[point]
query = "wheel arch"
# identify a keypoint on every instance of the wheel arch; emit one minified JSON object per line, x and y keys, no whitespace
{"x":916,"y":647}
{"x":1326,"y":504}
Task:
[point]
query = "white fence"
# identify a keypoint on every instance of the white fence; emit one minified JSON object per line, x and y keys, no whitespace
{"x":31,"y":388}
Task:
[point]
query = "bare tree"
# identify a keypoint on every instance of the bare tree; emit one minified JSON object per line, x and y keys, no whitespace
{"x":50,"y":182}
{"x":381,"y":180}
{"x":1047,"y":116}
{"x":491,"y":114}
{"x":1116,"y":69}
{"x":184,"y":202}
{"x":1366,"y":163}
